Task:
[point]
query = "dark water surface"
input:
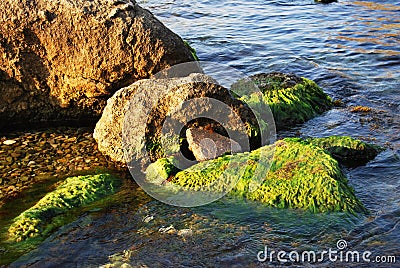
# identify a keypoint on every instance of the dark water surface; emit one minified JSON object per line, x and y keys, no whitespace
{"x":352,"y":50}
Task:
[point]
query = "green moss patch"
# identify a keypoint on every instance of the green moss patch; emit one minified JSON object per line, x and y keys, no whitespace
{"x":161,"y":170}
{"x":292,"y":99}
{"x":192,"y":50}
{"x":348,"y":151}
{"x":301,"y":175}
{"x":46,"y":214}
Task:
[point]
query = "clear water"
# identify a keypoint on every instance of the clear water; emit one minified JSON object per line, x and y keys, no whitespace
{"x":352,"y":50}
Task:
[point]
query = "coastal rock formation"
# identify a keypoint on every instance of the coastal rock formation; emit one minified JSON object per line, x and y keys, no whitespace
{"x":207,"y":145}
{"x":292,"y":99}
{"x":74,"y":192}
{"x":300,"y":175}
{"x":61,"y":60}
{"x":347,"y":150}
{"x":149,"y":118}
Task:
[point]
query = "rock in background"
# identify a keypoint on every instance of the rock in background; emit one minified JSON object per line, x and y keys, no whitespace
{"x":292,"y":99}
{"x":61,"y":60}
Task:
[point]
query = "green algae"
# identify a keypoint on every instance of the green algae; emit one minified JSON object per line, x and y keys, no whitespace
{"x":292,"y":100}
{"x":347,"y":150}
{"x":192,"y":50}
{"x":48,"y":213}
{"x":161,"y":170}
{"x":301,"y":175}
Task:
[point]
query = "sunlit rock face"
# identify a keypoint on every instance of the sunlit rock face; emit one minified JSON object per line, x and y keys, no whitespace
{"x":61,"y":60}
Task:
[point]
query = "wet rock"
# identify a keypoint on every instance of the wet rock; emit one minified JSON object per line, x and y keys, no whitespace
{"x":9,"y":142}
{"x":168,"y":230}
{"x":185,"y":232}
{"x":61,"y":60}
{"x":325,"y":1}
{"x":149,"y":107}
{"x":300,"y":175}
{"x":348,"y":151}
{"x":207,"y":145}
{"x":292,"y":99}
{"x":74,"y":192}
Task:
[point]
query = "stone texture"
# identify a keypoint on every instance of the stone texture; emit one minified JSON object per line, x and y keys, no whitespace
{"x":291,"y":173}
{"x":292,"y":99}
{"x":136,"y":116}
{"x":61,"y":60}
{"x":347,"y":150}
{"x":73,"y":192}
{"x":207,"y":145}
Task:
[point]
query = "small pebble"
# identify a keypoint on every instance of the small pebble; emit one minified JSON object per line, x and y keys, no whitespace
{"x":147,"y":219}
{"x":167,"y":230}
{"x":9,"y":142}
{"x":185,"y":232}
{"x":41,"y":155}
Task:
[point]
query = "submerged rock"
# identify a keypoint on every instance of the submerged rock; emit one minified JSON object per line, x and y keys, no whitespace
{"x":325,"y":1}
{"x":348,"y":151}
{"x":292,"y":99}
{"x":47,"y":213}
{"x":61,"y":60}
{"x":149,"y":117}
{"x":207,"y":145}
{"x":301,"y":175}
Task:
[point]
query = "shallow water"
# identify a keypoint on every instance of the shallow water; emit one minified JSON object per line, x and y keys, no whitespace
{"x":352,"y":50}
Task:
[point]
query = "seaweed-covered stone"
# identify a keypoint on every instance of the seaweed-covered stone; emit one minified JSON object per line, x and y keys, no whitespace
{"x":74,"y":192}
{"x":292,"y":99}
{"x":161,"y":170}
{"x":348,"y":151}
{"x":301,"y":175}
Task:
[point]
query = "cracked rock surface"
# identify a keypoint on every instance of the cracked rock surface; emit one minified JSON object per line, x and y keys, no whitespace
{"x":61,"y":60}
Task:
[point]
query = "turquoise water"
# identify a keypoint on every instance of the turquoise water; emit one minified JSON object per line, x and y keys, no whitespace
{"x":352,"y":50}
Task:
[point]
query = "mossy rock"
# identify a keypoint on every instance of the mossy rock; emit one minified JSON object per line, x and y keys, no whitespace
{"x":301,"y":175}
{"x":73,"y":192}
{"x":159,"y":171}
{"x":192,"y":50}
{"x":292,"y":99}
{"x":348,"y":151}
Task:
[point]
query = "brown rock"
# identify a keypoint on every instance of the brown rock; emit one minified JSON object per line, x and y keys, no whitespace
{"x":146,"y":105}
{"x":61,"y":60}
{"x":207,"y":145}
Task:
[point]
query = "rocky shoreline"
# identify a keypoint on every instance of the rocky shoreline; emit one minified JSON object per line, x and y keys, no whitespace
{"x":34,"y":156}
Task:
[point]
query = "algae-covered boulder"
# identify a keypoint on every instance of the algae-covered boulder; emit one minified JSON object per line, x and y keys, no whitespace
{"x":301,"y":175}
{"x":292,"y":99}
{"x":74,"y":192}
{"x":347,"y":150}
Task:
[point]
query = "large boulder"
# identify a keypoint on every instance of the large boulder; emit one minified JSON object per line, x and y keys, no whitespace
{"x":300,"y":175}
{"x":61,"y":60}
{"x":149,"y":118}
